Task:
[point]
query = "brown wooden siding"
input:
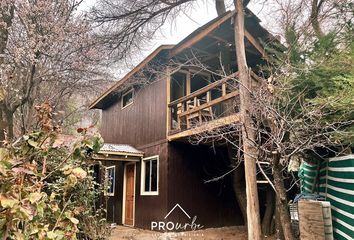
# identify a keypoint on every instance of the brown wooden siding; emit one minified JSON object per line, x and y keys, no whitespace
{"x":152,"y":208}
{"x":143,"y":122}
{"x":113,"y":204}
{"x":147,"y":208}
{"x":181,"y":171}
{"x":214,"y":204}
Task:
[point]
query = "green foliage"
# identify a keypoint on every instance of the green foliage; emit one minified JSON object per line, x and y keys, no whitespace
{"x":294,"y":52}
{"x":47,"y":190}
{"x":318,"y":80}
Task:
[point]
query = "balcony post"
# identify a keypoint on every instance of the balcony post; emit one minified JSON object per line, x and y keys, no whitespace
{"x":223,"y":87}
{"x":208,"y":96}
{"x":188,"y":83}
{"x":168,"y":100}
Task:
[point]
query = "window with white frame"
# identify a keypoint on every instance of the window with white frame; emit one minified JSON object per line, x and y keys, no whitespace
{"x":127,"y":98}
{"x":110,"y":180}
{"x":150,"y":176}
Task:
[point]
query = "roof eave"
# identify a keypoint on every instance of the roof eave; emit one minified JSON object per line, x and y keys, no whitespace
{"x":193,"y":38}
{"x":130,"y":74}
{"x":121,"y":153}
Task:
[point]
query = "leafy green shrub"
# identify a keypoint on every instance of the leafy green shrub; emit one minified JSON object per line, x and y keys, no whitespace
{"x":47,"y":189}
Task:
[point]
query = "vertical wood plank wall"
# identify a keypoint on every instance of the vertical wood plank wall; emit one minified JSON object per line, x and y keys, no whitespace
{"x":141,"y":123}
{"x":152,"y":208}
{"x":113,"y":204}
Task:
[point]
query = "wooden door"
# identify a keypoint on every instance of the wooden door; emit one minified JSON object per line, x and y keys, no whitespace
{"x":129,"y":194}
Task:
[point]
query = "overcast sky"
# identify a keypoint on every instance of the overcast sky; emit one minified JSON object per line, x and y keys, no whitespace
{"x":184,"y":25}
{"x":172,"y":33}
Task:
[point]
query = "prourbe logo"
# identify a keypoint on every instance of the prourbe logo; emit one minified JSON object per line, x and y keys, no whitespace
{"x":192,"y":225}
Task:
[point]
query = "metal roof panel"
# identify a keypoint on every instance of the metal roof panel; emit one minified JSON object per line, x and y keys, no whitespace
{"x":120,"y":148}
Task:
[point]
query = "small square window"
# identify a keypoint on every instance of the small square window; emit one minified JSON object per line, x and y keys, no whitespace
{"x":110,"y":179}
{"x":127,"y":98}
{"x":150,"y":176}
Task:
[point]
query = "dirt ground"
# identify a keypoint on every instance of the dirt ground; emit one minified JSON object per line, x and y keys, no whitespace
{"x":225,"y":233}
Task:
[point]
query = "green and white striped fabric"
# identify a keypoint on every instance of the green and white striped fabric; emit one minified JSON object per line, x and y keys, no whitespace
{"x":308,"y":177}
{"x":337,"y":186}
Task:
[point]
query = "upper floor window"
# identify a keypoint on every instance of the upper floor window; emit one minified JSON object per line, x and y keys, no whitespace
{"x":150,"y":176}
{"x":127,"y":98}
{"x":110,"y":180}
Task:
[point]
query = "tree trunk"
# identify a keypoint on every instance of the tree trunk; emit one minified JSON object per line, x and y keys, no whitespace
{"x":240,"y":191}
{"x":10,"y":124}
{"x":281,"y":199}
{"x":267,"y":228}
{"x":220,"y":7}
{"x":7,"y":13}
{"x":238,"y":182}
{"x":278,"y":227}
{"x":314,"y":18}
{"x":2,"y":126}
{"x":248,"y":131}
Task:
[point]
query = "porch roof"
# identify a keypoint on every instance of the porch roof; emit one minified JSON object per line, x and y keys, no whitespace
{"x":118,"y":152}
{"x":120,"y":149}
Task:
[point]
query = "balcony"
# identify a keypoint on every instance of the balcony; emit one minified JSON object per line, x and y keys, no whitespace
{"x":212,"y":106}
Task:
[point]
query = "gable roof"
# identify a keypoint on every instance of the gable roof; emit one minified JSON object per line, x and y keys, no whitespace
{"x":201,"y":32}
{"x":142,"y":64}
{"x":174,"y":50}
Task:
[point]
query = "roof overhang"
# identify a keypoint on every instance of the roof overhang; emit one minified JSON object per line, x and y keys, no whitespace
{"x":200,"y":33}
{"x":116,"y":157}
{"x":186,"y":43}
{"x":208,"y":29}
{"x":118,"y":152}
{"x":139,"y":67}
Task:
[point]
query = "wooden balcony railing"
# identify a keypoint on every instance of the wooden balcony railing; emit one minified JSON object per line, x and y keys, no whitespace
{"x":217,"y":100}
{"x":206,"y":104}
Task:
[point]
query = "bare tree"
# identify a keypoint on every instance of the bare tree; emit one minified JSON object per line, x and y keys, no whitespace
{"x":47,"y":53}
{"x":6,"y":13}
{"x":248,"y":130}
{"x":124,"y":27}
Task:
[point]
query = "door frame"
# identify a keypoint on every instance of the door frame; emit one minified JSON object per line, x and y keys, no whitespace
{"x":124,"y":193}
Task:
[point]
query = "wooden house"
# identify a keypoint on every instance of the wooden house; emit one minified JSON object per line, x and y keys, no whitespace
{"x":151,"y":115}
